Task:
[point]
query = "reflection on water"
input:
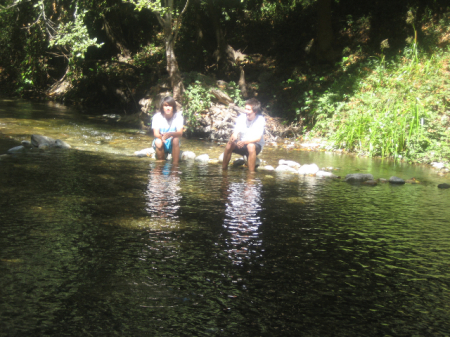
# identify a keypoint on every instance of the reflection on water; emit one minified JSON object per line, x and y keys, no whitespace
{"x":95,"y":242}
{"x":242,"y":217}
{"x":163,"y":193}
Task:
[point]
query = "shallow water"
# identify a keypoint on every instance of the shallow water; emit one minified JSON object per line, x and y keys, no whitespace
{"x":95,"y":241}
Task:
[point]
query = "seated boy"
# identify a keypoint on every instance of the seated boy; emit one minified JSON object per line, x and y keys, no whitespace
{"x":248,"y":135}
{"x":167,"y":125}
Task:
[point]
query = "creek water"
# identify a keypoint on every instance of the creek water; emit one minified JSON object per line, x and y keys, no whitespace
{"x":97,"y":242}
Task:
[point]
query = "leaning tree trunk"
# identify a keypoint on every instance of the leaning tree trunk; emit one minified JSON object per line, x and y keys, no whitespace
{"x":172,"y":64}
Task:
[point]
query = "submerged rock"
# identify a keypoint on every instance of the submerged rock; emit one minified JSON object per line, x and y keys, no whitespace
{"x":444,"y":186}
{"x":396,"y":180}
{"x":358,"y":177}
{"x":370,"y":182}
{"x":16,"y":149}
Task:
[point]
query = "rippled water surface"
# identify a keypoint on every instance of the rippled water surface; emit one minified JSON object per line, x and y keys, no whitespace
{"x":95,"y":241}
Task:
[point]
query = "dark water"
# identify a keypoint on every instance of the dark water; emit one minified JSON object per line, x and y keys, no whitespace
{"x":97,"y":242}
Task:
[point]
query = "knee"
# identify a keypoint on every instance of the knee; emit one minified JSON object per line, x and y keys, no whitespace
{"x":158,"y":143}
{"x":176,"y":141}
{"x":251,"y":148}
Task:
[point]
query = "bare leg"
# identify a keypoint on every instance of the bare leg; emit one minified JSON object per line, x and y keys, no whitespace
{"x":227,"y":153}
{"x":159,"y":149}
{"x":175,"y":150}
{"x":251,"y":157}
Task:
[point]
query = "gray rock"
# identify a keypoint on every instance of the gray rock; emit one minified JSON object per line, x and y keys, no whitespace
{"x":326,"y":174}
{"x":187,"y":155}
{"x":444,"y":185}
{"x":285,"y":169}
{"x":289,"y":163}
{"x":358,"y":177}
{"x":396,"y":180}
{"x":238,"y":162}
{"x":16,"y":149}
{"x":148,"y":152}
{"x":308,"y":169}
{"x":44,"y":142}
{"x":26,"y":144}
{"x":62,"y":144}
{"x":266,"y":168}
{"x":203,"y":158}
{"x":438,"y":165}
{"x":38,"y":140}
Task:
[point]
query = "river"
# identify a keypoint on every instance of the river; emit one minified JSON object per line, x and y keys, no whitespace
{"x":95,"y":241}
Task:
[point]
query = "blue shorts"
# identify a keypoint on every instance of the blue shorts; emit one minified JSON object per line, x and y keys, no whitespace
{"x":167,"y":145}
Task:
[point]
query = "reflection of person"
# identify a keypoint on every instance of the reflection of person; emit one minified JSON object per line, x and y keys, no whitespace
{"x":242,"y":218}
{"x":163,"y":191}
{"x":167,"y":125}
{"x":248,"y":135}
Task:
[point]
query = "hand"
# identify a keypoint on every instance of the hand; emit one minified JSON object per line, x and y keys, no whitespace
{"x":240,"y":144}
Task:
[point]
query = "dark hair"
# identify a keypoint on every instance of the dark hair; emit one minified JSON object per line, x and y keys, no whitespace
{"x":168,"y":100}
{"x":255,"y":104}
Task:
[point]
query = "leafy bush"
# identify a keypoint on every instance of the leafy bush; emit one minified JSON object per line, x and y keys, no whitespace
{"x":197,"y":98}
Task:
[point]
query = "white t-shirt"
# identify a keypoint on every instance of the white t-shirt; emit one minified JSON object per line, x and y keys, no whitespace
{"x":248,"y":130}
{"x":163,"y":125}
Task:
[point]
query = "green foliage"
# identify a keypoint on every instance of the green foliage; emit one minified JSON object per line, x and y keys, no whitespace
{"x":197,"y":97}
{"x":398,"y":109}
{"x":149,"y":56}
{"x":196,"y":100}
{"x":74,"y":37}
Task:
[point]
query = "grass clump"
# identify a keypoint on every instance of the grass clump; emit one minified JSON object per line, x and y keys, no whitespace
{"x":398,"y":108}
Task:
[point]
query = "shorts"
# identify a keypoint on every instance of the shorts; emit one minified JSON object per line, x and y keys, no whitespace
{"x":243,"y":151}
{"x":167,"y":145}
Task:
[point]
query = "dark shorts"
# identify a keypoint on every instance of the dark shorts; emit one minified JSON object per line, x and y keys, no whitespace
{"x":243,"y":151}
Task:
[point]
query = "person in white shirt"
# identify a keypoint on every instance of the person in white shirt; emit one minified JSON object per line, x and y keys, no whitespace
{"x":167,"y":125}
{"x":248,"y":135}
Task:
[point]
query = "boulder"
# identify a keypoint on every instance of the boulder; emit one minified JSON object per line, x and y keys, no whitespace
{"x":308,"y":169}
{"x":358,"y":177}
{"x":44,"y":142}
{"x":444,"y":186}
{"x":396,"y":180}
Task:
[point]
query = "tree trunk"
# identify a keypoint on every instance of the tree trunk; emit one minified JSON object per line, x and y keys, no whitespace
{"x":116,"y":36}
{"x":172,"y":64}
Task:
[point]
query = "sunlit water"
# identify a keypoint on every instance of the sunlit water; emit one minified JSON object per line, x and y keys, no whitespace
{"x":95,"y":241}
